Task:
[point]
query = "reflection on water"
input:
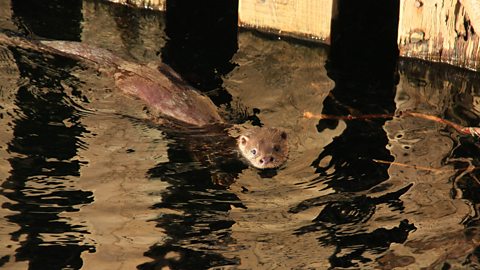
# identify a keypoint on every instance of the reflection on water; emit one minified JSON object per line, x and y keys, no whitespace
{"x":439,"y":202}
{"x":43,"y":152}
{"x":47,"y":135}
{"x":87,"y":183}
{"x":194,"y":208}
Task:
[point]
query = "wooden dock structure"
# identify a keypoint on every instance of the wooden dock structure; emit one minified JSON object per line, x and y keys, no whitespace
{"x":444,"y":31}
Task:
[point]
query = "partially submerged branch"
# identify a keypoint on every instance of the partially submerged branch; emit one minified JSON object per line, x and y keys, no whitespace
{"x":472,"y":131}
{"x":416,"y":167}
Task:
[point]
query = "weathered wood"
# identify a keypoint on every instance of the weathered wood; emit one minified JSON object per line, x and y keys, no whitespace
{"x":307,"y":18}
{"x":434,"y":30}
{"x":150,"y":4}
{"x":6,"y":12}
{"x":441,"y":31}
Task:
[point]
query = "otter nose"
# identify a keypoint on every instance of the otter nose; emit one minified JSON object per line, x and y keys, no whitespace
{"x":267,"y":159}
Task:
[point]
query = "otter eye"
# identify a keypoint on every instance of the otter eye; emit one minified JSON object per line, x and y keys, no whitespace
{"x":254,"y":151}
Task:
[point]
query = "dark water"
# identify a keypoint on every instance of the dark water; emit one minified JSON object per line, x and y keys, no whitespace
{"x":85,"y":183}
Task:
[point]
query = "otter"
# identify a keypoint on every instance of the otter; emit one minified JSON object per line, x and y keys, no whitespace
{"x":264,"y":148}
{"x":168,"y":97}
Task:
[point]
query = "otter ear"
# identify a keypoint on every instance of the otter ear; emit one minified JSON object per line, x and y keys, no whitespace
{"x":243,"y":139}
{"x":283,"y":135}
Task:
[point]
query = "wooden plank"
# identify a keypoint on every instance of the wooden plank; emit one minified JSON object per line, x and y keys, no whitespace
{"x":150,"y":4}
{"x":441,"y":31}
{"x":299,"y":18}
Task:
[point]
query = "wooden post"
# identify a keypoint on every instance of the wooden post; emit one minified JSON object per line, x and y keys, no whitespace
{"x":309,"y":19}
{"x":441,"y":31}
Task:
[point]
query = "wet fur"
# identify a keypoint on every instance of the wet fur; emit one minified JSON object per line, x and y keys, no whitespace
{"x":264,"y":148}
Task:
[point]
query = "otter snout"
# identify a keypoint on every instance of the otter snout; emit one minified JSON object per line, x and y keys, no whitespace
{"x":266,"y":160}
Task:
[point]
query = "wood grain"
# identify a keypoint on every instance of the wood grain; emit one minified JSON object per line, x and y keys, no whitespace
{"x":300,"y":18}
{"x":440,"y":31}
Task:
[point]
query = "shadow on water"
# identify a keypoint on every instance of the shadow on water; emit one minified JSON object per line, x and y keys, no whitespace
{"x":363,"y":67}
{"x":199,"y":227}
{"x":362,"y":62}
{"x":202,"y":38}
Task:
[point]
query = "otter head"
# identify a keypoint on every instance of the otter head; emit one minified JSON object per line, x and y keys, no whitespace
{"x":264,"y":148}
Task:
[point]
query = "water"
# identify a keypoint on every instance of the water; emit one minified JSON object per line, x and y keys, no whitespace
{"x":85,"y":183}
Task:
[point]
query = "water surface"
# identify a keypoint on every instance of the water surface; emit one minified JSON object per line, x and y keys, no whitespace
{"x":87,"y":182}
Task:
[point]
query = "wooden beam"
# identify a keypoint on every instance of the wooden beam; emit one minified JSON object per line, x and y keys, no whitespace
{"x":308,"y":19}
{"x":441,"y":31}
